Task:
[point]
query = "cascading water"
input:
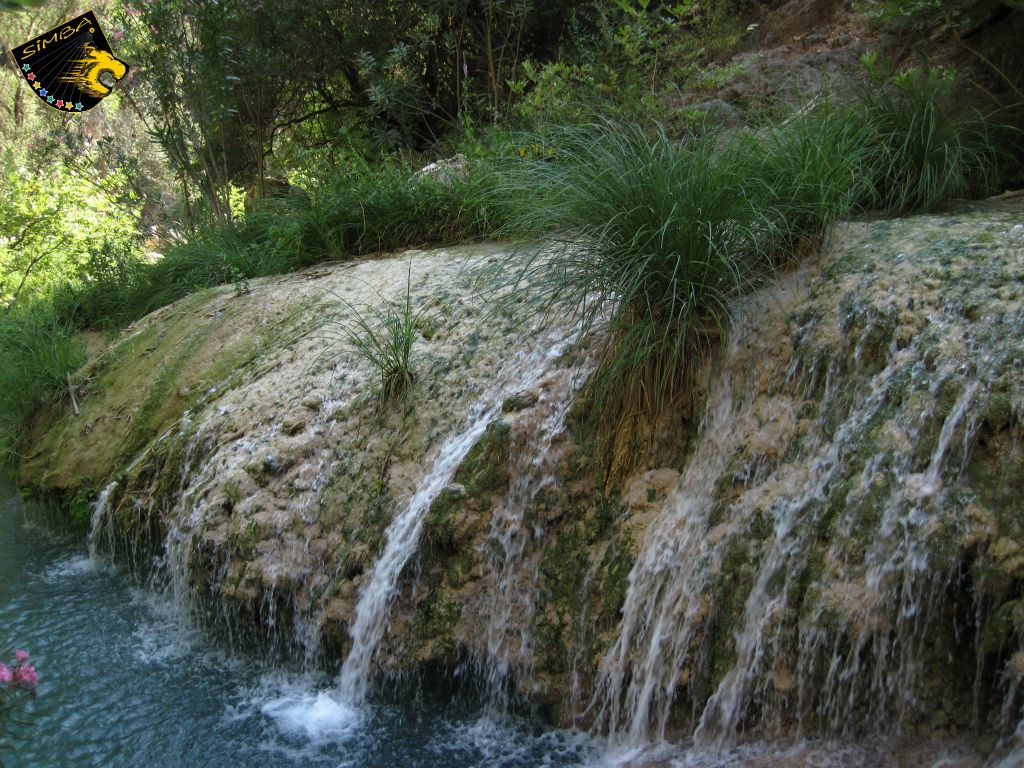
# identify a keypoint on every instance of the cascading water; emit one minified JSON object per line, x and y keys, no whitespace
{"x":836,"y":554}
{"x":667,"y":586}
{"x":402,"y":538}
{"x":99,"y":520}
{"x":403,"y":535}
{"x":798,"y":579}
{"x":510,"y":574}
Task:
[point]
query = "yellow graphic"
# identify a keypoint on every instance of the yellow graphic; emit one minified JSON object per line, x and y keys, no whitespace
{"x":86,"y":73}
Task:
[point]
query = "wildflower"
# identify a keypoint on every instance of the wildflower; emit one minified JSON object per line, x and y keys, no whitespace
{"x":118,"y":34}
{"x":20,"y":656}
{"x":6,"y":675}
{"x":465,"y":69}
{"x":26,"y":676}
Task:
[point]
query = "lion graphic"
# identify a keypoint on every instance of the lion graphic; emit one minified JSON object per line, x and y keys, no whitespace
{"x":96,"y":73}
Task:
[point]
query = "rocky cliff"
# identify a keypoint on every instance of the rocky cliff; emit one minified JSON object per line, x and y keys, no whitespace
{"x":838,"y":548}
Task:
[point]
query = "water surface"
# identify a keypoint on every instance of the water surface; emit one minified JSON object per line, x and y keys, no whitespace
{"x":127,"y":681}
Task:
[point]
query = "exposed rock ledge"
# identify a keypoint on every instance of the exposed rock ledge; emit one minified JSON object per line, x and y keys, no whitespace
{"x":245,"y":445}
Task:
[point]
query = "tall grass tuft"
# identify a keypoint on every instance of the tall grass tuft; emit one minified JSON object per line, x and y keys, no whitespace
{"x":39,"y":349}
{"x":652,"y":240}
{"x":812,"y":167}
{"x":382,"y":334}
{"x":926,"y":148}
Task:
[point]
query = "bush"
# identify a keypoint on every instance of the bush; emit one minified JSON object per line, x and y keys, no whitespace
{"x":653,"y":239}
{"x":926,"y":148}
{"x":108,"y":283}
{"x":929,"y":19}
{"x":364,"y":210}
{"x":39,"y":350}
{"x":352,"y":211}
{"x":898,"y":145}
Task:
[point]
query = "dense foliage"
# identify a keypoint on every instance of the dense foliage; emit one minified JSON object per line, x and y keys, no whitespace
{"x":654,"y":238}
{"x":257,"y":138}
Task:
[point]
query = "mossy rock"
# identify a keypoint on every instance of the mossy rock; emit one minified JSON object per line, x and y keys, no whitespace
{"x":439,"y":528}
{"x":519,"y":402}
{"x":433,"y":630}
{"x":1002,"y":625}
{"x":485,"y":468}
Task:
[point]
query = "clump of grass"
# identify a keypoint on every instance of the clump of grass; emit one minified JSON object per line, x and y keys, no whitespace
{"x":652,"y":240}
{"x":901,"y":145}
{"x":39,"y":349}
{"x":367,"y":209}
{"x":813,"y":166}
{"x":383,"y":335}
{"x":926,"y":149}
{"x":351,"y":211}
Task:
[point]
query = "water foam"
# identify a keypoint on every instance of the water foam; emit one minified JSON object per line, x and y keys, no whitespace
{"x":318,"y":717}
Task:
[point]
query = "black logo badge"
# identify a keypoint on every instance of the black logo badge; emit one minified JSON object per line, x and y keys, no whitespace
{"x":71,"y":67}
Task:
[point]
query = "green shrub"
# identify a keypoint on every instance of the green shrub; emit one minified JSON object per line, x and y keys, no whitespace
{"x":39,"y":349}
{"x":365,"y":210}
{"x":926,"y":148}
{"x":898,"y":145}
{"x":653,"y":238}
{"x":106,"y":285}
{"x":929,"y":19}
{"x":353,"y":210}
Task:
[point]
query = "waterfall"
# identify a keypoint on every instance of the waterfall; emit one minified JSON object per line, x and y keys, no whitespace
{"x":831,"y":546}
{"x":834,"y":551}
{"x":99,"y":520}
{"x":760,"y":640}
{"x":665,"y":594}
{"x":402,"y":536}
{"x":510,"y":573}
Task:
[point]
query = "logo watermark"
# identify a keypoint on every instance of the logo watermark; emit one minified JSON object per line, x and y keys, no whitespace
{"x":71,"y":67}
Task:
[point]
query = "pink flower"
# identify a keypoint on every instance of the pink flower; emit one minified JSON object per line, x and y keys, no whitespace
{"x":26,"y":675}
{"x":118,"y":34}
{"x":6,"y":675}
{"x":20,"y":655}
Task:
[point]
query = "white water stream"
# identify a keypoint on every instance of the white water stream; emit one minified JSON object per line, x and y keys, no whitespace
{"x":403,"y":535}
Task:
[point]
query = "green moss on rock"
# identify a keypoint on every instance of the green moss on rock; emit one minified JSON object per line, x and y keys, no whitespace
{"x":485,"y":469}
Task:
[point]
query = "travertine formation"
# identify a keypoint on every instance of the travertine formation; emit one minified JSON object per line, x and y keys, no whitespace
{"x":838,"y":550}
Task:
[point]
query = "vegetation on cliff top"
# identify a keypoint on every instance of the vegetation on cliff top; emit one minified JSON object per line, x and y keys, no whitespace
{"x":677,"y":218}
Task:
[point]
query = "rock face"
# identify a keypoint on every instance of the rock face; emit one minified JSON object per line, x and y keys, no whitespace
{"x":827,"y":559}
{"x":839,"y":550}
